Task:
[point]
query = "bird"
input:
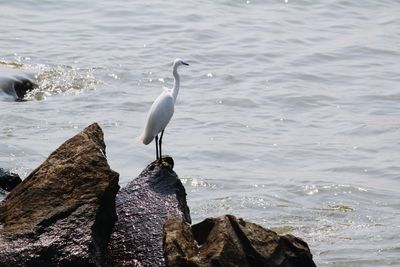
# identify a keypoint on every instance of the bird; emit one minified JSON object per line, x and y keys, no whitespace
{"x":161,"y":112}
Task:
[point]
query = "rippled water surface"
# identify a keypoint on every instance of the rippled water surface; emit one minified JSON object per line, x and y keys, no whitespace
{"x":288,"y":114}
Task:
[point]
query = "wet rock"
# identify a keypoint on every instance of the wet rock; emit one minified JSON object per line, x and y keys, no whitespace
{"x":230,"y":241}
{"x":142,"y":208}
{"x":8,"y":180}
{"x":62,"y":214}
{"x":14,"y":84}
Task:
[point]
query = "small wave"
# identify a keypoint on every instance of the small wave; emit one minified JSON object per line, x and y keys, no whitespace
{"x":313,"y":189}
{"x":53,"y":80}
{"x":285,"y":229}
{"x":197,"y":182}
{"x":2,"y":194}
{"x":238,"y":102}
{"x":305,"y":101}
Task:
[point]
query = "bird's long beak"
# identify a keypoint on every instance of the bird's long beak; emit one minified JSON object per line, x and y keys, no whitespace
{"x":184,"y":63}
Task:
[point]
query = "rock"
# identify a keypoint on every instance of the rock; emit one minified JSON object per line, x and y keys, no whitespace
{"x":142,"y":209}
{"x":14,"y":84}
{"x":230,"y":241}
{"x":8,"y":180}
{"x":62,"y":214}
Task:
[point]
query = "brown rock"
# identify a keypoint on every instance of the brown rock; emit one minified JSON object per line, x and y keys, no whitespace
{"x":142,"y":208}
{"x":62,"y":214}
{"x":230,"y":241}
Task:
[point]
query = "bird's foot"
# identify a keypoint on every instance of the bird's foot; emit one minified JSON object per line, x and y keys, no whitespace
{"x":167,"y":161}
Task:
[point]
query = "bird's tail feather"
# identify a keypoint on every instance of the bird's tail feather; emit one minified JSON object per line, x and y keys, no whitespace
{"x":145,"y":139}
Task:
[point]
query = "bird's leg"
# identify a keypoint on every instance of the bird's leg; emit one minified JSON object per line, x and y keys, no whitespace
{"x":162,"y":133}
{"x":157,"y":147}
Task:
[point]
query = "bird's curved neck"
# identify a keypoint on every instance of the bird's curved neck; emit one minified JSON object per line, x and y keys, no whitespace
{"x":175,"y":89}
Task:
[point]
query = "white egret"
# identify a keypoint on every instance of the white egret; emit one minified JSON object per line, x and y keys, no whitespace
{"x":161,"y":112}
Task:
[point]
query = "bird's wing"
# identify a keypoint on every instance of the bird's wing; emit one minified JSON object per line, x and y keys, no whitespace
{"x":160,"y":114}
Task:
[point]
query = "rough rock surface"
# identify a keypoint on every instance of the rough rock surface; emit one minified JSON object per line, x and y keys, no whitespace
{"x":142,"y":208}
{"x":14,"y":83}
{"x":8,"y":180}
{"x":62,"y":214}
{"x":230,"y":241}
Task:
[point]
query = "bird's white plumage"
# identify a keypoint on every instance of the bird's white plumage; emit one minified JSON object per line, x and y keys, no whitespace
{"x":162,"y":109}
{"x":159,"y":115}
